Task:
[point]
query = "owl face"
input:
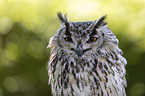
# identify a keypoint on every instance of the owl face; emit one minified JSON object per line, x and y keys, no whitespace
{"x":79,"y":39}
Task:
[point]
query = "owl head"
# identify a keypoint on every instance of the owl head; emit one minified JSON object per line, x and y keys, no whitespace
{"x":80,"y":40}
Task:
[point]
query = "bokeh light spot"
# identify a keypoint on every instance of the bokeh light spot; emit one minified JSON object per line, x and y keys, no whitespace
{"x":11,"y":84}
{"x":11,"y":51}
{"x":5,"y":25}
{"x":36,"y":46}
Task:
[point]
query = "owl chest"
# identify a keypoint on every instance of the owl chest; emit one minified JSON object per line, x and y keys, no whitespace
{"x":88,"y":82}
{"x":79,"y":84}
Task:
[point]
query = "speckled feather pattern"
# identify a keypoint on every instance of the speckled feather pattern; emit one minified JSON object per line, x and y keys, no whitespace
{"x":100,"y":71}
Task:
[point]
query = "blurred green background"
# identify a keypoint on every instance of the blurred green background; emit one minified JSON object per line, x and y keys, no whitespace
{"x":27,"y":25}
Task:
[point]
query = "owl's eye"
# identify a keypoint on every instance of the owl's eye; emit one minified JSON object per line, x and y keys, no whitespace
{"x":92,"y":39}
{"x":68,"y":39}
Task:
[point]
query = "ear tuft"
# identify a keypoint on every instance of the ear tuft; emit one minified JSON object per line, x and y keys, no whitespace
{"x":62,"y":18}
{"x":99,"y":22}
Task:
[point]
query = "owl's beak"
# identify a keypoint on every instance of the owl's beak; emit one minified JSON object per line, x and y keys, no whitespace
{"x":80,"y":50}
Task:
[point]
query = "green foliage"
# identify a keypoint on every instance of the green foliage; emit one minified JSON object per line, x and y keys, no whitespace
{"x":27,"y":25}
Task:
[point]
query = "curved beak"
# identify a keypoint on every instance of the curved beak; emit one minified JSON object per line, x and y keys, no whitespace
{"x":80,"y":50}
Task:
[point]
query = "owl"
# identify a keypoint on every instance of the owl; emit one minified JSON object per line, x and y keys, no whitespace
{"x":85,"y":60}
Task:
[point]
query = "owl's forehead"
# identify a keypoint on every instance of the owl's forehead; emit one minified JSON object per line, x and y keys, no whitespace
{"x":82,"y":25}
{"x":79,"y":28}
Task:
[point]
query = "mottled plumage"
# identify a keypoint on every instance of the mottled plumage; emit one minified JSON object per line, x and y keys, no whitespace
{"x":85,"y":60}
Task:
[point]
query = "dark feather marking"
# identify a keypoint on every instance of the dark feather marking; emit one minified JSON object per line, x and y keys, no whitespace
{"x":67,"y":79}
{"x":95,"y":65}
{"x":100,"y":65}
{"x":108,"y":72}
{"x":53,"y":64}
{"x":105,"y":85}
{"x":67,"y":29}
{"x":97,"y":74}
{"x":101,"y":92}
{"x":112,"y":55}
{"x":65,"y":84}
{"x":88,"y":64}
{"x":105,"y":74}
{"x":90,"y":72}
{"x":115,"y":55}
{"x":63,"y":73}
{"x":94,"y":31}
{"x":52,"y":51}
{"x":98,"y":86}
{"x":62,"y":92}
{"x":63,"y":62}
{"x":56,"y":91}
{"x":89,"y":79}
{"x":103,"y":71}
{"x":102,"y":34}
{"x":73,"y":73}
{"x":78,"y":83}
{"x":82,"y":67}
{"x":58,"y":81}
{"x":96,"y":81}
{"x":66,"y":67}
{"x":71,"y":64}
{"x":105,"y":66}
{"x":96,"y":61}
{"x":113,"y":73}
{"x":107,"y":55}
{"x":72,"y":90}
{"x":106,"y":79}
{"x":87,"y":49}
{"x":110,"y":62}
{"x":77,"y":69}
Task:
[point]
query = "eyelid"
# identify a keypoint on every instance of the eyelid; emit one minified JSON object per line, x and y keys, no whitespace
{"x":66,"y":36}
{"x":95,"y":36}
